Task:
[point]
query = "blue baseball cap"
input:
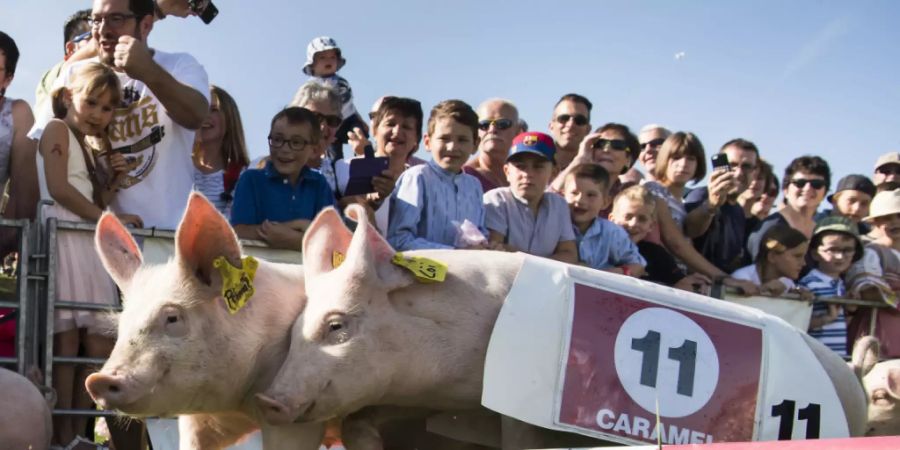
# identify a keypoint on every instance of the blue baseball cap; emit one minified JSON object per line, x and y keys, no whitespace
{"x":534,"y":143}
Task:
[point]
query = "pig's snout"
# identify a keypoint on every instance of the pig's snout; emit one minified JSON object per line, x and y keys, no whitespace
{"x":106,"y":390}
{"x":275,"y":412}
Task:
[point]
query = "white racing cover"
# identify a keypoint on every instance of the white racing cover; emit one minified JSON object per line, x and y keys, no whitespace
{"x":794,"y":312}
{"x":580,"y":350}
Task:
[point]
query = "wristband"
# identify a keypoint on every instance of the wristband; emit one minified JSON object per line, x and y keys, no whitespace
{"x":626,"y":271}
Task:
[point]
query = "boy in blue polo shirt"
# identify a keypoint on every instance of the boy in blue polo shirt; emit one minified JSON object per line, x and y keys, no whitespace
{"x":277,"y":203}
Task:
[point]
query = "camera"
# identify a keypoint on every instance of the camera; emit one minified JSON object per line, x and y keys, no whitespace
{"x":204,"y":9}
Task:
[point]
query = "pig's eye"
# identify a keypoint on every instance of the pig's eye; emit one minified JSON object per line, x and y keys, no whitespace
{"x":336,"y":330}
{"x":335,"y":325}
{"x":171,"y":319}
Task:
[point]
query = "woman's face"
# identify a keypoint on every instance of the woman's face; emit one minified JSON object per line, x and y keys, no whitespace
{"x":213,"y":128}
{"x":805,"y":191}
{"x":681,"y":170}
{"x":790,"y":262}
{"x":614,"y":161}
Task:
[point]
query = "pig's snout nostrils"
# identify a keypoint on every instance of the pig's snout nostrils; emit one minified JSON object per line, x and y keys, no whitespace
{"x":275,"y":412}
{"x":103,"y":388}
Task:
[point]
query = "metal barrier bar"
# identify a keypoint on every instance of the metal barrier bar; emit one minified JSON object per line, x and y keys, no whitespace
{"x":78,"y":360}
{"x":21,"y":305}
{"x":85,"y":413}
{"x":50,"y":302}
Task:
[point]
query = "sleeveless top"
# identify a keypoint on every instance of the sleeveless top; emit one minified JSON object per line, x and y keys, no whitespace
{"x":6,"y":137}
{"x":77,"y":171}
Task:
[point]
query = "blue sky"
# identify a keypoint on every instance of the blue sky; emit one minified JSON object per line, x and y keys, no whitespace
{"x":805,"y":76}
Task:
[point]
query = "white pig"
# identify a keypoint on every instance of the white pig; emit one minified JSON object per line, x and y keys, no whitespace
{"x":881,"y":381}
{"x":372,"y":335}
{"x":24,"y":416}
{"x":179,"y":351}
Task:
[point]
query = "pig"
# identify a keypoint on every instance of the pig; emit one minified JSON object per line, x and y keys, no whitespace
{"x":881,"y":381}
{"x":179,"y":351}
{"x":372,"y":335}
{"x":25,"y":417}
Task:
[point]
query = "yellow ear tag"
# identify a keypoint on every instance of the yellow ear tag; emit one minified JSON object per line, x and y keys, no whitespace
{"x":337,"y":258}
{"x":425,"y":270}
{"x":237,"y":283}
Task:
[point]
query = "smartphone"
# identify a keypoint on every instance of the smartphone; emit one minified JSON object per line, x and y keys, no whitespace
{"x":720,"y":161}
{"x":362,"y":170}
{"x":206,"y":13}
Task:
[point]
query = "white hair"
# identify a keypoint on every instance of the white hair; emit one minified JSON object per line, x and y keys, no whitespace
{"x":653,"y":126}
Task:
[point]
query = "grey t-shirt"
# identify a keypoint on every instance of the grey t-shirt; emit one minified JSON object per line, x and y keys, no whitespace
{"x":509,"y":215}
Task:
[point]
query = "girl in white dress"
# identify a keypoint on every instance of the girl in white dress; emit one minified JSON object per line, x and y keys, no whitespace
{"x":68,"y":176}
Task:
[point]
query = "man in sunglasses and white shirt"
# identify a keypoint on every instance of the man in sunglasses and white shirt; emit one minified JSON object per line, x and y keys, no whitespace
{"x":165,"y":99}
{"x":498,"y":124}
{"x":571,"y":122}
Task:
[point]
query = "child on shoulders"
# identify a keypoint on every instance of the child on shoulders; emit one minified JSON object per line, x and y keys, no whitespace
{"x":432,"y":200}
{"x":524,"y":216}
{"x":602,"y":244}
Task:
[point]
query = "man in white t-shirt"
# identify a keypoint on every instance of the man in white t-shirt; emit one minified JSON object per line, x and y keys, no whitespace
{"x":165,"y":98}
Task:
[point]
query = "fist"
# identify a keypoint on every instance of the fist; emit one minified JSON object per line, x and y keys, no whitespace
{"x":132,"y":56}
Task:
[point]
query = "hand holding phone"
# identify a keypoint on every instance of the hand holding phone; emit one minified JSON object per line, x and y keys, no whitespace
{"x":362,"y":171}
{"x":720,"y":161}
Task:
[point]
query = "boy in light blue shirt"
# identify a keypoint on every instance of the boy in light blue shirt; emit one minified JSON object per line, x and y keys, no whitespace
{"x":432,"y":200}
{"x":602,"y":244}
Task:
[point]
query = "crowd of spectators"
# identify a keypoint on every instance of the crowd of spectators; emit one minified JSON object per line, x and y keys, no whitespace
{"x":604,"y":197}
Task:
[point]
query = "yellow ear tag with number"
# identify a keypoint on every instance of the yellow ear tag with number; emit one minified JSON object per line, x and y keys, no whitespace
{"x":337,"y":258}
{"x":237,"y":282}
{"x":425,"y":270}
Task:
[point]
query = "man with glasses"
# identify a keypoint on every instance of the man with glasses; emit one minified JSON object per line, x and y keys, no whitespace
{"x":715,"y":220}
{"x":887,"y":171}
{"x":498,"y":124}
{"x":165,"y":99}
{"x":570,"y":123}
{"x":651,"y":138}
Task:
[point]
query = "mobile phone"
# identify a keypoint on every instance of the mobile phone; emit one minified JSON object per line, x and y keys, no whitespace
{"x":720,"y":161}
{"x":205,"y":10}
{"x":362,"y":170}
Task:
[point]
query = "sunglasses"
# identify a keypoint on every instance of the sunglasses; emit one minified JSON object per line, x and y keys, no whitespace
{"x":800,"y":183}
{"x":579,"y":119}
{"x":331,"y":120}
{"x":653,"y":144}
{"x":500,"y":124}
{"x":889,"y":169}
{"x":615,"y":144}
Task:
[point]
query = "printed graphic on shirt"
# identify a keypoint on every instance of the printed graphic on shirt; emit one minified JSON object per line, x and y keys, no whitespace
{"x":134,"y":132}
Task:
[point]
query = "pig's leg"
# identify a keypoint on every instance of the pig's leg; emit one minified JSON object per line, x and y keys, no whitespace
{"x":212,"y":431}
{"x":295,"y":436}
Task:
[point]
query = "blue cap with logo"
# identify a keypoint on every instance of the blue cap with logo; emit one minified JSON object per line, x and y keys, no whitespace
{"x":534,"y":143}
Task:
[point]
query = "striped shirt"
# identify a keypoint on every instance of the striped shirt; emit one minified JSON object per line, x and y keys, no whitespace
{"x":510,"y":216}
{"x":834,"y":334}
{"x":212,"y":186}
{"x":429,"y":203}
{"x":605,"y":245}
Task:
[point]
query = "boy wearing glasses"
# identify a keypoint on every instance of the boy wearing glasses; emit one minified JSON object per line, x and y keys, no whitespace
{"x":525,"y":216}
{"x":276,"y":204}
{"x":498,"y":124}
{"x":432,"y":200}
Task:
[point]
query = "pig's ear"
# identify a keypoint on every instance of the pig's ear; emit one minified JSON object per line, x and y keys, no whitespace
{"x":119,"y":253}
{"x":865,"y":355}
{"x":369,"y":254}
{"x":203,"y":235}
{"x":325,"y":236}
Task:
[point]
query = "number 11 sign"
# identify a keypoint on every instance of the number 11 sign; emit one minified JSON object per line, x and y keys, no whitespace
{"x":699,"y":375}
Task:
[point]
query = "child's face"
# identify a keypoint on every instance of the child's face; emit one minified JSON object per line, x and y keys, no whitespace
{"x":91,"y":113}
{"x":585,"y":198}
{"x":395,"y":134}
{"x":681,"y":170}
{"x":325,"y":63}
{"x":295,"y":150}
{"x":213,"y":128}
{"x":835,"y":253}
{"x":853,"y":205}
{"x":635,"y":217}
{"x":528,"y":176}
{"x":790,"y":262}
{"x":451,"y":143}
{"x":888,"y":226}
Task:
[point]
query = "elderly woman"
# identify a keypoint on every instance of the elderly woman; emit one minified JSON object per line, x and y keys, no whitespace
{"x":806,"y":180}
{"x":325,"y":103}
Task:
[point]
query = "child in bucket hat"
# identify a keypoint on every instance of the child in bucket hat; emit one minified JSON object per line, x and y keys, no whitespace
{"x":877,"y":275}
{"x":323,"y":60}
{"x":835,"y":245}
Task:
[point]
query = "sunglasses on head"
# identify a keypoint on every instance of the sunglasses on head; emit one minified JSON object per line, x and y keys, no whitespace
{"x":615,"y":144}
{"x":329,"y":119}
{"x":653,"y":144}
{"x":800,"y":183}
{"x":579,"y":119}
{"x":500,"y":124}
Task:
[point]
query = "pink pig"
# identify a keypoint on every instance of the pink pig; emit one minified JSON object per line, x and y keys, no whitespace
{"x":181,"y":352}
{"x":882,"y":383}
{"x":25,"y":416}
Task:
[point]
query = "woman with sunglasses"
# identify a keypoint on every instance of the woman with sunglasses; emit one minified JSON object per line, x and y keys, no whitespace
{"x":806,"y":180}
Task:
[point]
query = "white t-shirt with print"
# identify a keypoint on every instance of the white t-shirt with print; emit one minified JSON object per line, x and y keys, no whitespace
{"x":156,"y":149}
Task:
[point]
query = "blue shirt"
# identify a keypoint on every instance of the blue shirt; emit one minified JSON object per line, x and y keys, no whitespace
{"x":425,"y":204}
{"x":264,"y":194}
{"x":834,"y":334}
{"x":510,"y":216}
{"x":605,"y":245}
